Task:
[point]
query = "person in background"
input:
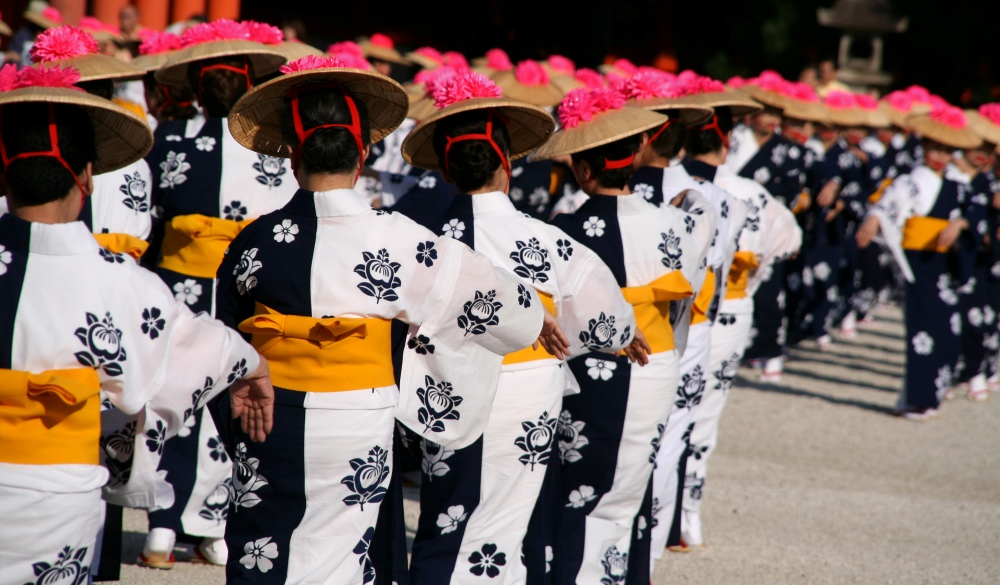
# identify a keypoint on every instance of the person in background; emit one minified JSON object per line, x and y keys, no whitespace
{"x":828,"y":79}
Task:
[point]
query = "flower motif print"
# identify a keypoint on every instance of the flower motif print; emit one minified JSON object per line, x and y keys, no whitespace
{"x":753,"y":217}
{"x":578,"y":498}
{"x":380,"y":276}
{"x":367,"y":479}
{"x":217,"y":450}
{"x":671,"y":249}
{"x":943,"y":381}
{"x":174,"y":169}
{"x":480,"y":313}
{"x":615,"y":565}
{"x":5,"y":259}
{"x":111,"y":257}
{"x":433,"y":464}
{"x":655,"y":444}
{"x":361,"y":549}
{"x":726,"y":319}
{"x":215,"y":506}
{"x":532,"y":260}
{"x":118,"y":448}
{"x":956,"y":323}
{"x":487,"y":560}
{"x":689,"y":223}
{"x":134,"y":189}
{"x":438,"y":403}
{"x":271,"y":169}
{"x":594,"y":226}
{"x":155,"y":438}
{"x":762,"y":175}
{"x":571,"y":438}
{"x":68,"y":568}
{"x":152,"y":324}
{"x":285,"y":231}
{"x":600,"y":332}
{"x":946,"y":290}
{"x":449,"y":522}
{"x":695,"y":485}
{"x":640,"y":527}
{"x":239,"y":371}
{"x":428,"y":181}
{"x":205,"y":143}
{"x":196,"y":403}
{"x":778,"y":154}
{"x":598,"y":368}
{"x":727,"y":372}
{"x":539,"y":198}
{"x":691,"y":388}
{"x":564,"y":248}
{"x":420,"y":344}
{"x":104,"y":345}
{"x":247,"y":266}
{"x":235,"y":211}
{"x":523,"y":296}
{"x":923,"y":344}
{"x":259,"y":554}
{"x":246,"y":479}
{"x":426,"y":254}
{"x":645,"y":190}
{"x":454,"y":229}
{"x":536,"y":441}
{"x":173,"y":138}
{"x":975,"y":316}
{"x":821,"y":271}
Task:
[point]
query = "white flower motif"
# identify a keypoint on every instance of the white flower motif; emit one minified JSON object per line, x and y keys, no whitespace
{"x":243,"y":271}
{"x":845,"y":160}
{"x":5,"y":258}
{"x":831,"y":294}
{"x":641,"y":526}
{"x":821,"y":271}
{"x":433,"y":464}
{"x":516,"y":172}
{"x":454,"y":228}
{"x":988,"y":315}
{"x":943,"y":381}
{"x":205,"y":143}
{"x":794,"y":153}
{"x":946,"y":292}
{"x":285,"y":231}
{"x":762,"y":175}
{"x":173,"y":169}
{"x":427,"y":182}
{"x":579,"y":497}
{"x":173,"y":138}
{"x":956,"y":323}
{"x":259,"y":554}
{"x":449,"y":522}
{"x":598,"y":368}
{"x":594,"y":226}
{"x":516,"y":194}
{"x":923,"y":343}
{"x":548,"y":558}
{"x":980,"y":199}
{"x":778,"y":154}
{"x":187,"y":291}
{"x":645,"y":190}
{"x":976,"y":316}
{"x":982,"y":227}
{"x":807,"y":276}
{"x":992,"y":342}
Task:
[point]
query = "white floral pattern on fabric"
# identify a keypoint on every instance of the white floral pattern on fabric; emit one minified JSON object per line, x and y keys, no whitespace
{"x":594,"y":226}
{"x":598,"y":368}
{"x":615,"y":566}
{"x":134,"y":189}
{"x":173,"y":170}
{"x":5,"y":258}
{"x":187,"y":291}
{"x":956,"y":323}
{"x":246,"y":479}
{"x":762,"y":175}
{"x":260,"y":553}
{"x":449,"y":522}
{"x":173,"y":138}
{"x":205,"y":143}
{"x":943,"y":381}
{"x":923,"y":343}
{"x":821,"y":271}
{"x":579,"y":497}
{"x":975,"y":317}
{"x":433,"y":464}
{"x":571,"y":438}
{"x":427,"y":182}
{"x":245,"y":269}
{"x":516,"y":194}
{"x":645,"y":190}
{"x":454,"y":229}
{"x":286,"y":231}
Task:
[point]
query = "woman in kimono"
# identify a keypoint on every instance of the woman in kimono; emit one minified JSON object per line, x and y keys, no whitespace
{"x":657,"y":255}
{"x":484,"y":495}
{"x":120,"y":335}
{"x":920,"y":218}
{"x":206,"y":189}
{"x":316,"y":285}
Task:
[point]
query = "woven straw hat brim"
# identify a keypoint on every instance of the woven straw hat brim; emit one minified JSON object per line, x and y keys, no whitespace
{"x":604,"y":128}
{"x":265,"y":59}
{"x":422,"y":61}
{"x":808,"y":111}
{"x":293,"y":50}
{"x":372,"y":51}
{"x":5,"y":29}
{"x":528,"y":126}
{"x":689,"y":114}
{"x":37,"y":18}
{"x":768,"y":98}
{"x":102,"y":35}
{"x":539,"y":95}
{"x":896,"y":117}
{"x":95,"y":67}
{"x":121,"y":136}
{"x":564,"y":82}
{"x":877,"y":118}
{"x":151,"y":62}
{"x":847,"y":116}
{"x":983,"y":127}
{"x":421,"y":107}
{"x":931,"y":129}
{"x":739,"y":103}
{"x":255,"y":119}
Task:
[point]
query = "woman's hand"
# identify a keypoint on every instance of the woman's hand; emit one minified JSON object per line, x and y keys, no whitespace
{"x":950,"y":234}
{"x":552,"y":338}
{"x":867,"y":232}
{"x":638,"y":349}
{"x":252,"y":401}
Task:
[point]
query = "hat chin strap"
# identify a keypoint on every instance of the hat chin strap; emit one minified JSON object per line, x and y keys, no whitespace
{"x":488,"y":137}
{"x":54,"y":152}
{"x":245,"y":71}
{"x":714,"y":125}
{"x":354,"y":127}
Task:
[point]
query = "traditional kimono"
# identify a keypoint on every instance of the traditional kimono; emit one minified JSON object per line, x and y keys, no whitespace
{"x":911,"y":214}
{"x":991,"y":313}
{"x":657,"y":255}
{"x":484,"y":495}
{"x":904,"y":154}
{"x":530,"y":187}
{"x":120,"y":335}
{"x":207,"y":187}
{"x":974,"y":299}
{"x":316,"y":285}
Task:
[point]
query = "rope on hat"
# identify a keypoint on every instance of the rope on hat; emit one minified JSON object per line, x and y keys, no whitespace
{"x":354,"y":127}
{"x":54,"y":152}
{"x":488,"y":137}
{"x":714,"y":125}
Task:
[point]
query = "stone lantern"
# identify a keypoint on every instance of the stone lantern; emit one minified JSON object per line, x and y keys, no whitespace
{"x":862,"y":22}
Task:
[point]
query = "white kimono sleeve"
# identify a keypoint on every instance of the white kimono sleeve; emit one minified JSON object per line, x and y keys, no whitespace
{"x":696,"y":246}
{"x":592,"y":311}
{"x":781,"y":238}
{"x":892,"y":210}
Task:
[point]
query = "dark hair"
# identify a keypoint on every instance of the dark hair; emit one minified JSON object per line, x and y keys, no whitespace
{"x":705,"y":141}
{"x":218,"y":90}
{"x":164,"y":106}
{"x":617,"y":150}
{"x":670,"y":142}
{"x":41,"y":179}
{"x":328,"y":150}
{"x":104,"y":88}
{"x":471,"y":163}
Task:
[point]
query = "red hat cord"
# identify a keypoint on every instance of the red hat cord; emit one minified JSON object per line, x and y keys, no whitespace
{"x":714,"y":125}
{"x":488,"y":137}
{"x":171,"y":100}
{"x":53,"y":153}
{"x":245,"y":70}
{"x":659,"y":131}
{"x":610,"y":165}
{"x":302,"y":134}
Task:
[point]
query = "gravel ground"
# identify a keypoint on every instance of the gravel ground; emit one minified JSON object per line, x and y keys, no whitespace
{"x":814,"y":482}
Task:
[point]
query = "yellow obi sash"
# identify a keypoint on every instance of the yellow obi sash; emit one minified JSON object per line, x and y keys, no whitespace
{"x":50,"y":418}
{"x":921,"y":233}
{"x":122,"y":244}
{"x":703,"y":302}
{"x":800,"y":203}
{"x":874,"y":197}
{"x":195,"y":244}
{"x":530,"y":354}
{"x":333,"y":354}
{"x":743,"y":263}
{"x":651,"y":304}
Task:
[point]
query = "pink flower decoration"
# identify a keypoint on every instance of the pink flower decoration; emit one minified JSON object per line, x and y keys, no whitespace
{"x":840,"y":100}
{"x":345,"y":47}
{"x":155,"y":42}
{"x":949,"y":116}
{"x":52,"y":14}
{"x":736,"y":82}
{"x":531,"y":73}
{"x":264,"y":33}
{"x":690,"y":83}
{"x":562,"y":65}
{"x":900,"y":101}
{"x":497,"y":60}
{"x":463,"y":86}
{"x":311,"y":62}
{"x":10,"y":78}
{"x":647,"y":85}
{"x":919,"y":94}
{"x":589,"y":78}
{"x":431,"y":53}
{"x":49,"y":77}
{"x":937,"y":101}
{"x":865,"y":101}
{"x":91,"y":23}
{"x":434,"y":77}
{"x":801,"y":91}
{"x":352,"y":61}
{"x":626,"y":66}
{"x":64,"y":42}
{"x":581,"y":105}
{"x":456,"y":60}
{"x":381,"y":40}
{"x":991,"y":112}
{"x":220,"y":30}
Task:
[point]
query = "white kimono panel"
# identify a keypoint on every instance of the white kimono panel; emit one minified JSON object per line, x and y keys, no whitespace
{"x":331,"y":254}
{"x":120,"y":203}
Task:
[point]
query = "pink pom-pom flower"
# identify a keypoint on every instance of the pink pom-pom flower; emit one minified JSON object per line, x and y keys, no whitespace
{"x":801,"y":91}
{"x":219,"y":30}
{"x":919,"y":94}
{"x":431,"y":53}
{"x":865,"y":102}
{"x":381,"y":40}
{"x":91,"y":23}
{"x":839,"y":100}
{"x":49,"y":77}
{"x":52,"y":14}
{"x":155,"y":42}
{"x":456,"y":60}
{"x":991,"y":112}
{"x":10,"y":78}
{"x":646,"y":85}
{"x":498,"y":60}
{"x":64,"y":42}
{"x":463,"y":86}
{"x":626,"y":66}
{"x":949,"y":116}
{"x":264,"y":33}
{"x":353,"y":61}
{"x":900,"y":101}
{"x":345,"y":47}
{"x":736,"y":82}
{"x":937,"y":101}
{"x":589,"y":78}
{"x":531,"y":73}
{"x":581,"y":105}
{"x":310,"y":62}
{"x":770,"y":80}
{"x":690,"y":83}
{"x":433,"y":78}
{"x":562,"y":65}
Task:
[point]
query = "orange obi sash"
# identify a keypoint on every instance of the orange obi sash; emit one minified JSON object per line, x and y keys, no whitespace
{"x":703,"y":302}
{"x":50,"y":418}
{"x":332,"y":354}
{"x":874,"y":197}
{"x":194,"y":245}
{"x":801,"y":203}
{"x":921,"y":233}
{"x":530,"y":354}
{"x":743,"y":263}
{"x":122,"y":244}
{"x":651,"y":304}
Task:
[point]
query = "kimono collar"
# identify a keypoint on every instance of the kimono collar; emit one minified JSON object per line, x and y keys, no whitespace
{"x":491,"y":204}
{"x":926,"y":180}
{"x":675,"y":173}
{"x":701,"y":169}
{"x":630,"y":204}
{"x":340,"y":202}
{"x":59,"y":239}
